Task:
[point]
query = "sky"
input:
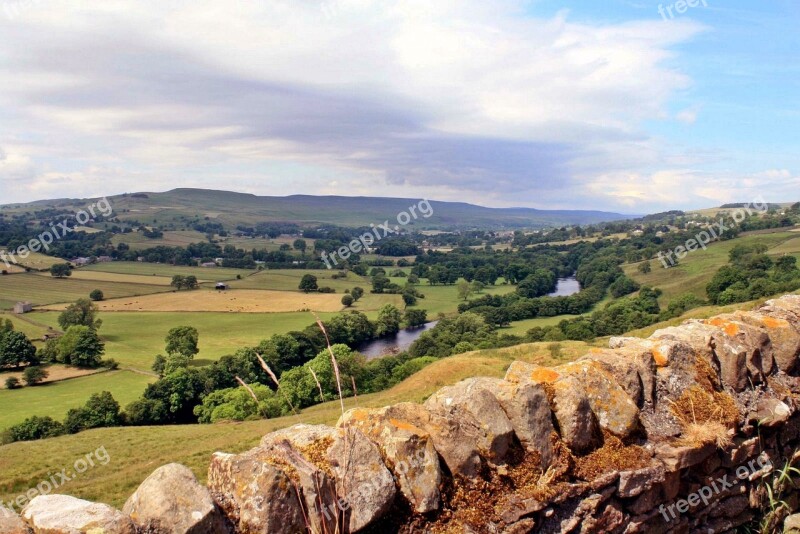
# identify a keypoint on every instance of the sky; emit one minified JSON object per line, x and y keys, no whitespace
{"x":632,"y":106}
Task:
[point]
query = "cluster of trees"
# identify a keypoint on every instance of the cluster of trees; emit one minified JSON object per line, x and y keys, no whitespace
{"x":16,"y":350}
{"x":751,"y":274}
{"x":180,"y":281}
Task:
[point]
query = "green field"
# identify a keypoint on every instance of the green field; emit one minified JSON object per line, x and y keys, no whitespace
{"x":289,"y":280}
{"x":179,"y":238}
{"x":135,"y":338}
{"x":694,"y":272}
{"x":54,"y":399}
{"x":41,"y":290}
{"x":160,"y":269}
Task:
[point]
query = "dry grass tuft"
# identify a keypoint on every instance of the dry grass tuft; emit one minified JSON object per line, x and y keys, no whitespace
{"x":705,"y":417}
{"x":612,"y":456}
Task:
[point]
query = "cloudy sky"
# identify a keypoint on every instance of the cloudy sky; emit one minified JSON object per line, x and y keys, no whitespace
{"x":610,"y":104}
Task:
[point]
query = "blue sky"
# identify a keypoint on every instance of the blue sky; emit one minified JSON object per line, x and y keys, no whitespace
{"x":583,"y":104}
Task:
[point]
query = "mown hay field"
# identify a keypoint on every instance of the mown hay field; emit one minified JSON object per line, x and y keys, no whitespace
{"x":159,"y":269}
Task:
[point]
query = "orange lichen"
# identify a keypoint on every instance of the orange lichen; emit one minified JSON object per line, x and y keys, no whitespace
{"x":772,"y":322}
{"x":659,"y":357}
{"x":544,"y":374}
{"x":404,"y":425}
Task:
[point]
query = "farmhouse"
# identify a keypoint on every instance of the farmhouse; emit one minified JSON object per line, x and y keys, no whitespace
{"x":208,"y":264}
{"x":22,"y":307}
{"x":221,"y":286}
{"x":80,"y":261}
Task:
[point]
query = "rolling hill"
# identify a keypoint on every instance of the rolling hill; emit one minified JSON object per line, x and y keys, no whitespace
{"x":232,"y":209}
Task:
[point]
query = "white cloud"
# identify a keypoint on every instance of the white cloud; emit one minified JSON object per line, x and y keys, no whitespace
{"x":471,"y":99}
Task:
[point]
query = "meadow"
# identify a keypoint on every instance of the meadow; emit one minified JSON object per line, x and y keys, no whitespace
{"x":211,"y":274}
{"x":55,"y":398}
{"x":694,"y":272}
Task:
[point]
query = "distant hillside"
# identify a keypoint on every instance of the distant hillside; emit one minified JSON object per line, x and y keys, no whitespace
{"x":233,"y":209}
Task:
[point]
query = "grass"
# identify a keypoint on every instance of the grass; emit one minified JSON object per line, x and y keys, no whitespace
{"x":41,"y":290}
{"x":22,"y":323}
{"x":136,"y":451}
{"x":37,"y":260}
{"x":159,"y":269}
{"x":178,"y":238}
{"x":135,"y":338}
{"x":55,"y":373}
{"x":54,"y":399}
{"x":694,"y":272}
{"x":85,"y":274}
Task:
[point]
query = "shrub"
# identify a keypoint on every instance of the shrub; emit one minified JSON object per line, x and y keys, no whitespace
{"x":96,"y":295}
{"x":326,"y":289}
{"x":34,"y":375}
{"x":12,"y":382}
{"x":35,"y":428}
{"x":347,"y":300}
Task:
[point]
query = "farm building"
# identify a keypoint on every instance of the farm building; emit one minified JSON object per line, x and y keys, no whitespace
{"x":23,"y":307}
{"x":208,"y":264}
{"x":221,"y":286}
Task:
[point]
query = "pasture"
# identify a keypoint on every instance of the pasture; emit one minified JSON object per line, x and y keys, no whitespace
{"x":212,"y":274}
{"x":209,"y":300}
{"x":37,"y":260}
{"x":55,"y":398}
{"x":178,"y":238}
{"x":43,"y":289}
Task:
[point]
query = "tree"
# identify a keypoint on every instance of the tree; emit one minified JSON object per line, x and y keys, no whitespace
{"x":182,"y":340}
{"x":388,"y":321}
{"x":379,"y":283}
{"x":415,"y":317}
{"x":82,"y":313}
{"x":34,"y":375}
{"x":786,"y":264}
{"x":464,"y":290}
{"x":308,"y":283}
{"x":409,"y":299}
{"x":645,"y":267}
{"x":622,"y":286}
{"x":16,"y":350}
{"x":300,"y":244}
{"x":80,"y":346}
{"x":36,"y":428}
{"x":177,"y":281}
{"x":357,"y":293}
{"x":60,"y":270}
{"x":477,"y":286}
{"x":190,"y":282}
{"x":413,"y":279}
{"x":96,"y":295}
{"x":101,"y":410}
{"x":347,"y":301}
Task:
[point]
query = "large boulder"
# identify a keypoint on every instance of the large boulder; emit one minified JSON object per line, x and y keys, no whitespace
{"x":11,"y":522}
{"x":172,"y":501}
{"x":471,"y":397}
{"x":408,"y":451}
{"x":364,"y":487}
{"x":62,"y":514}
{"x":254,"y":494}
{"x":701,"y":362}
{"x":757,"y":343}
{"x":628,"y":367}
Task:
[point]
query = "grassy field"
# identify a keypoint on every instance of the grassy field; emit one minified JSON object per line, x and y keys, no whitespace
{"x":85,"y":274}
{"x":37,"y":260}
{"x":136,"y":451}
{"x":41,"y":290}
{"x":159,"y":269}
{"x":54,"y":399}
{"x":24,"y":324}
{"x":55,"y":373}
{"x":694,"y":272}
{"x":179,"y":238}
{"x":135,"y":338}
{"x":289,"y":280}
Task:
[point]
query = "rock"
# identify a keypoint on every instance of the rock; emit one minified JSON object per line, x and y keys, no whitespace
{"x":770,"y":412}
{"x":615,"y":410}
{"x":528,"y":409}
{"x":791,"y":525}
{"x":254,"y":494}
{"x":759,"y":350}
{"x":624,"y":370}
{"x":364,"y":486}
{"x":577,"y":424}
{"x":408,"y":451}
{"x":285,"y":449}
{"x":62,"y":514}
{"x":633,"y":483}
{"x":471,"y":397}
{"x":785,"y":337}
{"x":675,"y":458}
{"x":171,"y":500}
{"x":362,"y":479}
{"x":11,"y":522}
{"x":455,"y":439}
{"x":700,"y":339}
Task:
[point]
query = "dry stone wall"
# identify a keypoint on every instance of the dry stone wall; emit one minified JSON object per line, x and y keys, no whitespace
{"x":694,"y":429}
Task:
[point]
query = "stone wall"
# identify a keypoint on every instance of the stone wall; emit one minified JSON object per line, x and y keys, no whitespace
{"x":689,"y":430}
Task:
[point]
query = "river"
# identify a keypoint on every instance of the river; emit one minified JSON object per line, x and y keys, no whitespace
{"x":404,"y":338}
